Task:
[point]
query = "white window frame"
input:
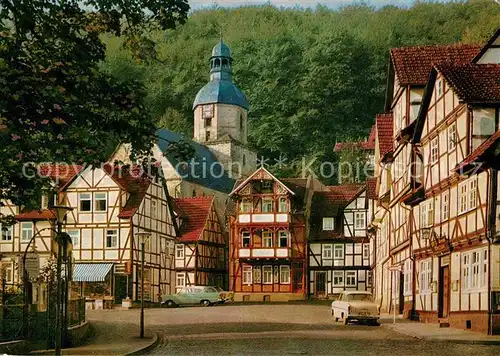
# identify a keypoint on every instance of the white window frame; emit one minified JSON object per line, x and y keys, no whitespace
{"x":246,"y":206}
{"x":88,"y":197}
{"x":267,"y":236}
{"x":351,"y":278}
{"x":257,"y":274}
{"x":465,"y":273}
{"x":7,"y":233}
{"x":115,"y":235}
{"x":468,"y":193}
{"x":452,"y":137}
{"x":434,"y":147}
{"x":180,"y":279}
{"x":407,"y":277}
{"x":472,"y":194}
{"x":8,"y":271}
{"x":359,"y":220}
{"x":154,"y":211}
{"x":268,"y":203}
{"x":267,"y":274}
{"x":366,"y":251}
{"x":284,"y":274}
{"x":246,"y":235}
{"x":75,"y":237}
{"x":327,"y":251}
{"x":283,"y":234}
{"x":247,"y":275}
{"x":463,"y":197}
{"x":338,"y":251}
{"x":338,"y":278}
{"x":100,"y":196}
{"x":446,"y":206}
{"x":328,"y":224}
{"x":27,"y":228}
{"x":179,"y":251}
{"x":425,"y":277}
{"x":474,"y":270}
{"x":283,"y":205}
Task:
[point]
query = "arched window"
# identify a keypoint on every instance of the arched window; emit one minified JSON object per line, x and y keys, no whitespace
{"x":217,"y":62}
{"x":241,"y":121}
{"x":225,"y":63}
{"x":194,"y":193}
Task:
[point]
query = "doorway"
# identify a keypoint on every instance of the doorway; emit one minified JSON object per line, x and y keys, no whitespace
{"x":401,"y":301}
{"x":320,"y":284}
{"x":444,"y":292}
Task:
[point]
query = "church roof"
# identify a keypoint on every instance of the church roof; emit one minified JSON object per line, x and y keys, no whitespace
{"x":221,"y":50}
{"x":203,"y":168}
{"x":221,"y":91}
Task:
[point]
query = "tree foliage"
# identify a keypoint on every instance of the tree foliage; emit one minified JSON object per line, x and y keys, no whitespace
{"x":57,"y":104}
{"x":312,"y":77}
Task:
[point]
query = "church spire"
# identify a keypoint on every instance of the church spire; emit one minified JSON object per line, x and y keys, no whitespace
{"x":221,"y":62}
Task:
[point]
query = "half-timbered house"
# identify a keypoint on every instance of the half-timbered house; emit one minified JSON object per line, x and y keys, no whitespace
{"x":268,"y":251}
{"x":110,"y":206}
{"x":338,"y":245}
{"x":456,"y":245}
{"x":200,"y":250}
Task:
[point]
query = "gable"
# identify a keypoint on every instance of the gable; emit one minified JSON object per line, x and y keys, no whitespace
{"x":490,"y":53}
{"x":260,"y":174}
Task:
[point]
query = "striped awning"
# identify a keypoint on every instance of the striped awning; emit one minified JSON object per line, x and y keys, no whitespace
{"x":91,"y":272}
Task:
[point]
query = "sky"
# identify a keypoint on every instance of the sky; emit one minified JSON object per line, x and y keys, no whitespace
{"x":197,"y":4}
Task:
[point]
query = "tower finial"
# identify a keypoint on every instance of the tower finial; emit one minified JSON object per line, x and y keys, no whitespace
{"x":220,"y":34}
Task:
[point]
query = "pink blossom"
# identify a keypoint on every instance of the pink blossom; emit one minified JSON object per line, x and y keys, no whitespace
{"x":60,"y":137}
{"x":15,"y":137}
{"x":45,"y":122}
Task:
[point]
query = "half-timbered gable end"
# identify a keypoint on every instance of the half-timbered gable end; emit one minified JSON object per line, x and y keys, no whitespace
{"x":201,"y":250}
{"x":339,"y":249}
{"x":110,"y":206}
{"x":268,"y":238}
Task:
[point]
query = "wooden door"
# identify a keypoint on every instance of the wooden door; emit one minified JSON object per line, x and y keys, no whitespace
{"x":444,"y":292}
{"x":320,"y":283}
{"x":401,"y":299}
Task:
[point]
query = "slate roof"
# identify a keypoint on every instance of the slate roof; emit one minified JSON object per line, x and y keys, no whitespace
{"x":412,"y":65}
{"x":384,"y":126}
{"x":473,"y":83}
{"x":196,"y":212}
{"x":198,"y":169}
{"x":369,"y":144}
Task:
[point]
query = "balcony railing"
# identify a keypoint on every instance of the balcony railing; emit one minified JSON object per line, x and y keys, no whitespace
{"x":279,"y":252}
{"x":247,"y":218}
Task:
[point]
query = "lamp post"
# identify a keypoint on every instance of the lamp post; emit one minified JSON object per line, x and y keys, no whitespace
{"x":143,"y":237}
{"x":61,"y":212}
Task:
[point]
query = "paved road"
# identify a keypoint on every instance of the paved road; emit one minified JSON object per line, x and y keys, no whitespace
{"x":276,"y":329}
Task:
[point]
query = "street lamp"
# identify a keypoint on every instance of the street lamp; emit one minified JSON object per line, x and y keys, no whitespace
{"x":143,"y":237}
{"x":60,"y":211}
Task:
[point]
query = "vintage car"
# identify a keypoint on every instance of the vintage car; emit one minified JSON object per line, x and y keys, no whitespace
{"x":355,"y":305}
{"x":191,"y":295}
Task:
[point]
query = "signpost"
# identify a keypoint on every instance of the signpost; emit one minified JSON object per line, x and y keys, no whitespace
{"x":394,"y":269}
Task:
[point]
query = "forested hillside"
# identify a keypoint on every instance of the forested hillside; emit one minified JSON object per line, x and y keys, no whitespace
{"x":312,"y":77}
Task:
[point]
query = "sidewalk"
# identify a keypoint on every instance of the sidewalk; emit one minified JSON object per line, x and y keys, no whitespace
{"x":110,"y":339}
{"x":432,"y":332}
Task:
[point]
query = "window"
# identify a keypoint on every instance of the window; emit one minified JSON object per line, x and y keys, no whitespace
{"x":338,"y":251}
{"x":484,"y":271}
{"x":245,"y":206}
{"x":328,"y":224}
{"x":267,"y":185}
{"x":153,"y":209}
{"x":283,"y":205}
{"x":369,"y":278}
{"x":463,"y":198}
{"x":472,"y":193}
{"x":267,"y":239}
{"x":267,"y":205}
{"x":180,"y":279}
{"x":466,"y":271}
{"x":327,"y":252}
{"x":207,"y":135}
{"x":75,"y":237}
{"x":208,"y":122}
{"x":434,"y":150}
{"x":427,"y":213}
{"x":446,"y":206}
{"x":26,"y":231}
{"x":6,"y":232}
{"x":85,"y":201}
{"x":241,"y":121}
{"x":439,"y":87}
{"x":100,"y":202}
{"x":111,"y":238}
{"x":208,"y":111}
{"x":245,"y":239}
{"x":350,"y":278}
{"x":285,"y":274}
{"x":7,"y":272}
{"x":267,"y":274}
{"x":338,"y":278}
{"x":257,"y":274}
{"x":475,"y":270}
{"x":366,"y":251}
{"x":247,"y":274}
{"x":179,"y":251}
{"x":452,"y":137}
{"x":283,"y":238}
{"x":425,"y":276}
{"x":360,"y":220}
{"x":407,"y":277}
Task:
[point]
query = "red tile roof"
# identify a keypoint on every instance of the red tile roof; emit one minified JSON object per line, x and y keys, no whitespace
{"x":196,"y":213}
{"x":477,"y":153}
{"x":369,"y":144}
{"x":371,"y":188}
{"x":44,"y":214}
{"x":61,"y":174}
{"x":383,"y":122}
{"x":412,"y":65}
{"x":345,"y":193}
{"x":473,"y":83}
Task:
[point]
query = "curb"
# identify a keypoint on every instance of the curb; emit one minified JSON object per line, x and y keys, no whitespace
{"x":143,"y":349}
{"x":451,"y":341}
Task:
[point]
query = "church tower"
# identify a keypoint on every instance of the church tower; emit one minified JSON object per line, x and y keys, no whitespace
{"x":220,"y":116}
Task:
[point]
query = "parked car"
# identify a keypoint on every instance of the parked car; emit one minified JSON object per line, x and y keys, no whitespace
{"x":225,"y":295}
{"x":356,"y":305}
{"x":193,"y":295}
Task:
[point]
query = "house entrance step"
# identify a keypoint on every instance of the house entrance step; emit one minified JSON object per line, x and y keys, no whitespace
{"x":444,"y":323}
